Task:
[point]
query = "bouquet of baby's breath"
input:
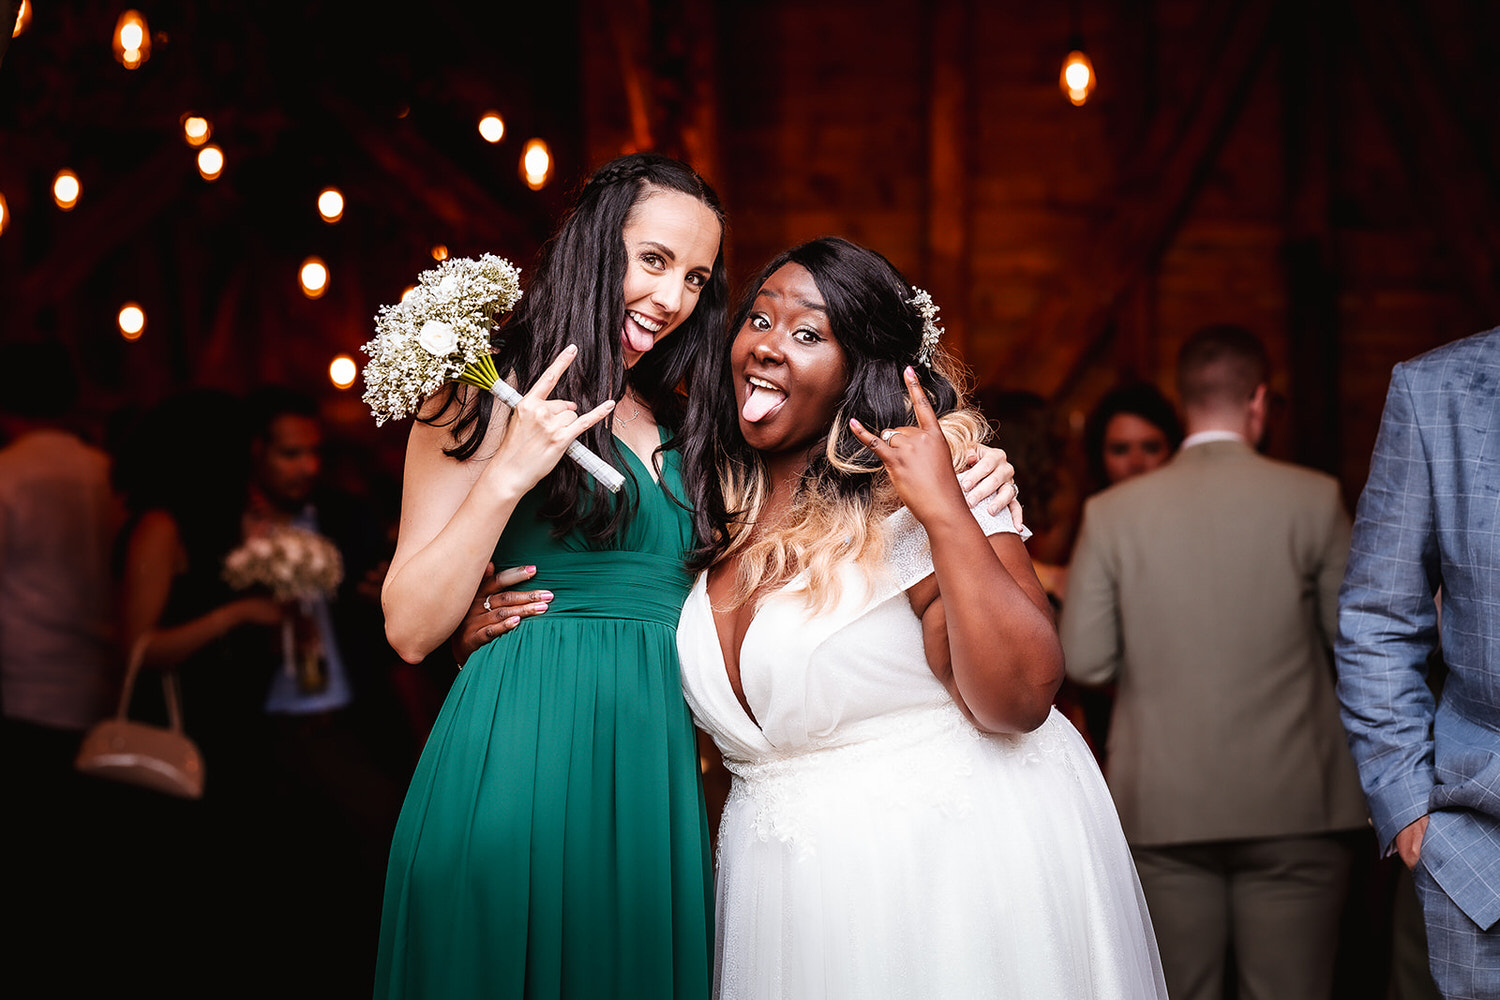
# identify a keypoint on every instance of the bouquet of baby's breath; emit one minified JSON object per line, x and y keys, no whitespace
{"x":440,"y":333}
{"x":293,"y":563}
{"x":438,"y":330}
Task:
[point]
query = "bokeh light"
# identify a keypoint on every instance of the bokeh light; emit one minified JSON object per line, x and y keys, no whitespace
{"x":132,"y":42}
{"x":342,"y":371}
{"x":196,"y":129}
{"x":1077,"y":78}
{"x":331,"y":204}
{"x":210,"y":162}
{"x":439,"y":252}
{"x":536,"y":164}
{"x":314,"y":277}
{"x":492,"y":127}
{"x":66,"y":189}
{"x":132,"y":321}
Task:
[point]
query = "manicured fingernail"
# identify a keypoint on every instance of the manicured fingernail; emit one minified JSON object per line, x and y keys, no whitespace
{"x":910,"y":373}
{"x":539,"y":608}
{"x":513,"y":621}
{"x":543,"y":595}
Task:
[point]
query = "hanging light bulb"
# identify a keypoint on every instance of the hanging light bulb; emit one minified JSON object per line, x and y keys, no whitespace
{"x":1077,"y":78}
{"x":492,"y":126}
{"x":536,"y":164}
{"x":210,"y":162}
{"x":314,"y":277}
{"x":196,"y":129}
{"x":439,"y":252}
{"x":132,"y":321}
{"x":132,"y":41}
{"x":66,"y":189}
{"x":331,"y":204}
{"x":342,"y":371}
{"x":23,"y":19}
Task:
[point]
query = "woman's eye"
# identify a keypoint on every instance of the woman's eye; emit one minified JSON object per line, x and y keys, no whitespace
{"x":696,"y":280}
{"x":652,"y":260}
{"x":806,"y":336}
{"x":760,"y":322}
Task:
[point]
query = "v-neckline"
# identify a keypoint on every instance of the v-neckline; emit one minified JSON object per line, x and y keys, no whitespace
{"x":723,"y":671}
{"x":646,"y":462}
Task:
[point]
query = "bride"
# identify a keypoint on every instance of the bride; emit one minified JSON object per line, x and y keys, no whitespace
{"x":877,"y":663}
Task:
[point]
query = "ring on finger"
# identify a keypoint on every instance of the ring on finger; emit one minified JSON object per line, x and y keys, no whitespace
{"x":487,"y":603}
{"x":887,"y":434}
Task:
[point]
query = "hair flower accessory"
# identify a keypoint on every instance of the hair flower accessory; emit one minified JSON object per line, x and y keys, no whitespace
{"x":440,"y":333}
{"x":930,"y":329}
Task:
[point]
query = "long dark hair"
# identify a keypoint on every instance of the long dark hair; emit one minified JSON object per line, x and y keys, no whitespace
{"x":576,"y":296}
{"x":872,"y":317}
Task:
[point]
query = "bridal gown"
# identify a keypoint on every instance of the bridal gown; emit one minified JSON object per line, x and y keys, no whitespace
{"x":875,"y":844}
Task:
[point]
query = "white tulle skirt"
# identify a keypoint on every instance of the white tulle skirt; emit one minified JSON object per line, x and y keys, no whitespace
{"x":920,"y":858}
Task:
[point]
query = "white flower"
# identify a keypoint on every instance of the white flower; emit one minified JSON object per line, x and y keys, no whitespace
{"x":448,"y":286}
{"x":438,"y":338}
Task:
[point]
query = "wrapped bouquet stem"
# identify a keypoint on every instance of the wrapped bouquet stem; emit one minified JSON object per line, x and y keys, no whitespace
{"x":440,"y":333}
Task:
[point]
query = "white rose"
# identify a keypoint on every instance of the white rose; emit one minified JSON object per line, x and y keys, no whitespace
{"x":448,"y":287}
{"x":437,"y":338}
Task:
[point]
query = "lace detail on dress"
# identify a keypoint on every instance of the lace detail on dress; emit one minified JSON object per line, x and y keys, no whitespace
{"x":913,"y":761}
{"x":908,"y":552}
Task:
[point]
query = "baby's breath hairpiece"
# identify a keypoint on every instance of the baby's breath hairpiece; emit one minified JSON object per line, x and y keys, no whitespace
{"x":930,"y":329}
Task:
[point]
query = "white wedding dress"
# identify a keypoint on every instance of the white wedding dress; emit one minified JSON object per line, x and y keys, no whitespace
{"x":875,"y":844}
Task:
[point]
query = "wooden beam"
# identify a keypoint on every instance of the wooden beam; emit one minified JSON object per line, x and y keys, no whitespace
{"x":1444,"y":163}
{"x":949,"y":166}
{"x":1158,"y":187}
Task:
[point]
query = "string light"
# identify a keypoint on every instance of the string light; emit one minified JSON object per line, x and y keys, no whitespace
{"x":492,"y":127}
{"x":132,"y":321}
{"x":331,"y":204}
{"x":342,"y":371}
{"x":439,"y":252}
{"x":536,"y":164}
{"x":66,"y":190}
{"x":132,"y":41}
{"x":210,"y":162}
{"x":196,"y":129}
{"x":1077,"y":78}
{"x":314,"y":277}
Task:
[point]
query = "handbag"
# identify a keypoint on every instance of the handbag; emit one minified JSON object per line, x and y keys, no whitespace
{"x":162,"y":758}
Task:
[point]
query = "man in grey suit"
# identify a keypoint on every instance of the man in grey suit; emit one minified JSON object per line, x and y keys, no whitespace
{"x":1428,"y":522}
{"x":1207,"y":589}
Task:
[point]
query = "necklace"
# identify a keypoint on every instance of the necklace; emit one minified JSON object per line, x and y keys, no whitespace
{"x":638,"y":410}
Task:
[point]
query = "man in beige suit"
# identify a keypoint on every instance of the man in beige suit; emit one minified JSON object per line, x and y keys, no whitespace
{"x":1208,"y":589}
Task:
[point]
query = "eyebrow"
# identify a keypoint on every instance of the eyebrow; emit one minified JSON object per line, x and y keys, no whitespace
{"x":804,"y":303}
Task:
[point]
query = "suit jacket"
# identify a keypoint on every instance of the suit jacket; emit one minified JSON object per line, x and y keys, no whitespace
{"x":1208,"y":589}
{"x":1428,"y":520}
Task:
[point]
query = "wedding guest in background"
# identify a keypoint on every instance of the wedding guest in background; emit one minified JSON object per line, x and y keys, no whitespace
{"x":1133,"y":429}
{"x":1209,"y":588}
{"x":1422,"y":581}
{"x":59,"y":664}
{"x":341,"y":746}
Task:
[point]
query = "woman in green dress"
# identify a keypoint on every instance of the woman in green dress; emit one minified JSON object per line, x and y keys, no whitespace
{"x":553,"y":842}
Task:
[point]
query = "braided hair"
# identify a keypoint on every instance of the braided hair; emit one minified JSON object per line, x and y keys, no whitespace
{"x":576,"y":296}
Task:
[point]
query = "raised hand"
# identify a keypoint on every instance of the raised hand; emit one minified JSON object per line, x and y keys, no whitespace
{"x":917,"y":459}
{"x":540,"y":428}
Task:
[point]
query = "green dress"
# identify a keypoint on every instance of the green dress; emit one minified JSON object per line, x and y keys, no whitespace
{"x":554,"y":841}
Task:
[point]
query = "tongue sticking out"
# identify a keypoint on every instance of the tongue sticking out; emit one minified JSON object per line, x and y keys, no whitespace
{"x":637,"y":338}
{"x":760,"y":402}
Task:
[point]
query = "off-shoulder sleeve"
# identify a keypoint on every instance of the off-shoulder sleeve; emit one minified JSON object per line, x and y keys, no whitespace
{"x":908,"y":552}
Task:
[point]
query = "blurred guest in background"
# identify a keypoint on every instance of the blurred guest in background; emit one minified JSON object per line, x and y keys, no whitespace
{"x":1133,"y":429}
{"x":58,"y":665}
{"x":1209,"y":587}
